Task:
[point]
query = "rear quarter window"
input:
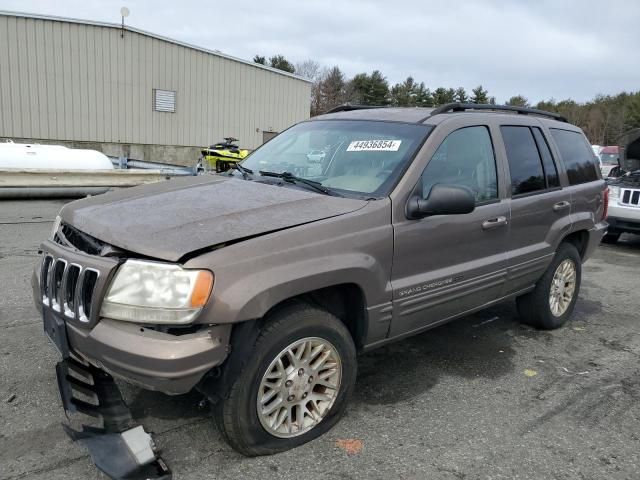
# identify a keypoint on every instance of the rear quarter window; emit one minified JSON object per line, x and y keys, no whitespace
{"x":577,"y":156}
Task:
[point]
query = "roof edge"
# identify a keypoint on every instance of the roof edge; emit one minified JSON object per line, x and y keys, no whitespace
{"x":95,"y":23}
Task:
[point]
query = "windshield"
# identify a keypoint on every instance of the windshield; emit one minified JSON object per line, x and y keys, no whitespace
{"x":609,"y":158}
{"x":363,"y":157}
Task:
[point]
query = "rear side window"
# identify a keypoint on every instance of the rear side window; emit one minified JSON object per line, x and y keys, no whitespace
{"x":550,"y":169}
{"x":577,"y":156}
{"x":525,"y":166}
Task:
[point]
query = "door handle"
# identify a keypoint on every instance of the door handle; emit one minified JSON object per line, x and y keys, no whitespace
{"x":558,"y":207}
{"x":494,"y":223}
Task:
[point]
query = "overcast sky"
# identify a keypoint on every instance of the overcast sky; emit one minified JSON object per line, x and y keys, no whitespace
{"x":538,"y":48}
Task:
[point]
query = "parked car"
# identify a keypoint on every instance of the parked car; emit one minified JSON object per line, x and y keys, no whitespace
{"x":610,"y":162}
{"x":624,"y":191}
{"x":258,"y":287}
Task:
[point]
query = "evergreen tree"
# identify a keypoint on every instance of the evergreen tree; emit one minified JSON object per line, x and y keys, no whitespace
{"x":480,"y":95}
{"x":518,"y":101}
{"x":260,"y":59}
{"x":423,"y":96}
{"x":378,"y":93}
{"x":440,"y":96}
{"x":404,"y":94}
{"x":368,"y":89}
{"x":461,"y":95}
{"x":281,"y":63}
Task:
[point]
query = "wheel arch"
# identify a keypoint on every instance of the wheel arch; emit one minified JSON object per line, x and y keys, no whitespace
{"x":346,"y":301}
{"x":579,"y":239}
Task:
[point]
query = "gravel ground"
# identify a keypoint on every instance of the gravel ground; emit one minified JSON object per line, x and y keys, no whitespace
{"x":479,"y":398}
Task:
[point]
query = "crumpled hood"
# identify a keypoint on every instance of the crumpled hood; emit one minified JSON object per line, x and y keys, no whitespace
{"x":168,"y":220}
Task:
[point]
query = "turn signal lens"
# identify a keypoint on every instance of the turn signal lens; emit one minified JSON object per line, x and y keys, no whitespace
{"x":202,"y":289}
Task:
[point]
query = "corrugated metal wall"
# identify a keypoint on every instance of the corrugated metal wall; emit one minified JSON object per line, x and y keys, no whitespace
{"x":71,"y":81}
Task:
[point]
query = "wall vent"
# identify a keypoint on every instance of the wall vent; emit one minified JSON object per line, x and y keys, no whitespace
{"x":164,"y":100}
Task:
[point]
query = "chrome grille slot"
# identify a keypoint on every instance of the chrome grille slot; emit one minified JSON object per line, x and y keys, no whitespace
{"x":68,"y":288}
{"x":47,"y":261}
{"x":55,"y":285}
{"x":630,"y":197}
{"x":84,"y":293}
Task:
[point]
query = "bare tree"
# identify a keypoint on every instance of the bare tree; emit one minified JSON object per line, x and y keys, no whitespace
{"x":309,"y":69}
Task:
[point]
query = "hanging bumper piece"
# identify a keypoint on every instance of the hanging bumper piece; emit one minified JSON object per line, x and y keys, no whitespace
{"x":120,"y":448}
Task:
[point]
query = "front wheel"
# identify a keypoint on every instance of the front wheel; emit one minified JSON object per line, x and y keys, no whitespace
{"x":551,"y":302}
{"x":295,"y":386}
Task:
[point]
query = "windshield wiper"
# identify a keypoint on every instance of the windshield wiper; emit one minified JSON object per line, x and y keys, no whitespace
{"x":243,"y":170}
{"x":291,"y":178}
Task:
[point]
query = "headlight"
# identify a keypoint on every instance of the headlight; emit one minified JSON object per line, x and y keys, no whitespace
{"x":614,"y":192}
{"x":150,"y":292}
{"x":56,"y":226}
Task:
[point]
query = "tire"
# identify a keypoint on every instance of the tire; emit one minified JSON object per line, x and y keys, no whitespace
{"x":535,"y":307}
{"x":611,"y":238}
{"x":238,"y":415}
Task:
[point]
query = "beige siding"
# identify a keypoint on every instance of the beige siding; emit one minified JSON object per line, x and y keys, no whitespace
{"x":73,"y":81}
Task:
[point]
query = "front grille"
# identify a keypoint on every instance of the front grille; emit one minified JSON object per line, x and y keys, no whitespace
{"x":70,"y":236}
{"x":68,"y":288}
{"x":630,"y":197}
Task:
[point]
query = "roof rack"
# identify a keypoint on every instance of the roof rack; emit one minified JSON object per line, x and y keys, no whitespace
{"x":347,"y":107}
{"x":463,"y":107}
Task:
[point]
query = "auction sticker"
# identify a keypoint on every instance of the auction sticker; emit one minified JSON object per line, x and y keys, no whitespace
{"x":374,"y":146}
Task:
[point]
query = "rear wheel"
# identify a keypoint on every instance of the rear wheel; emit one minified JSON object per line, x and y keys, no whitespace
{"x":552,"y":301}
{"x":296,"y":385}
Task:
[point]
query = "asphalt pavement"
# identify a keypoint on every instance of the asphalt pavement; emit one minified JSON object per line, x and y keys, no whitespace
{"x":480,"y":398}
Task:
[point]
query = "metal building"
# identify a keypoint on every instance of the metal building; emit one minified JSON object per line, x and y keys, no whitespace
{"x":128,"y":92}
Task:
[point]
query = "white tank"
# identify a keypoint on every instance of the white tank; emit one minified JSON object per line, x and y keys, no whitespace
{"x":51,"y":157}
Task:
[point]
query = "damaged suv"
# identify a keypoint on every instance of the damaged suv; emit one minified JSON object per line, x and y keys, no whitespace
{"x":258,"y":287}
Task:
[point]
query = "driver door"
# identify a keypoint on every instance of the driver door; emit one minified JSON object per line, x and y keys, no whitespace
{"x":445,"y":265}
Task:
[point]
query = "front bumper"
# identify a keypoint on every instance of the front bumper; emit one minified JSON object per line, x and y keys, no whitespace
{"x":153,"y":360}
{"x":169,"y":363}
{"x":623,"y":218}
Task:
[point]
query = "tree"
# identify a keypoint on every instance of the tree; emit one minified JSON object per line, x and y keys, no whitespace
{"x":632,"y":117}
{"x":281,"y":63}
{"x":404,"y":94}
{"x":442,"y":96}
{"x":479,"y":95}
{"x":461,"y":95}
{"x":423,"y":96}
{"x":332,"y":89}
{"x":518,"y":101}
{"x":367,"y":89}
{"x":378,"y":93}
{"x":260,"y":59}
{"x":309,"y":69}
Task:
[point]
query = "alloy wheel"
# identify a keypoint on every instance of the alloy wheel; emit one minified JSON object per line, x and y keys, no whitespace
{"x":563,"y":286}
{"x":299,"y":387}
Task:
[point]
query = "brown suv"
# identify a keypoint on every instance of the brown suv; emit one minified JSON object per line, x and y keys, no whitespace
{"x":354,"y":229}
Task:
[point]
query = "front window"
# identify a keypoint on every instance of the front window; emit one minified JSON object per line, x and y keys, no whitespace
{"x":351,"y":156}
{"x":464,"y":158}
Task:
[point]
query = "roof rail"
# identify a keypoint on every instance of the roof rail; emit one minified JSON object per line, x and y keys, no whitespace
{"x":347,"y":107}
{"x":463,"y":107}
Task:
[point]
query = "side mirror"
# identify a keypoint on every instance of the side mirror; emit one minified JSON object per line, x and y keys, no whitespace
{"x":442,"y":200}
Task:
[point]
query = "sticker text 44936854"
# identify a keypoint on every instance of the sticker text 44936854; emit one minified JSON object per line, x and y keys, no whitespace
{"x":374,"y":146}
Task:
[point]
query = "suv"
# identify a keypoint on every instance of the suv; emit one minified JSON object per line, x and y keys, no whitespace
{"x":259,"y":286}
{"x":625,"y":191}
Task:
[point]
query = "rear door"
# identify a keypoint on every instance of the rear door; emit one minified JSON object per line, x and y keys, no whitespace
{"x":586,"y":186}
{"x":445,"y":265}
{"x":540,"y":206}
